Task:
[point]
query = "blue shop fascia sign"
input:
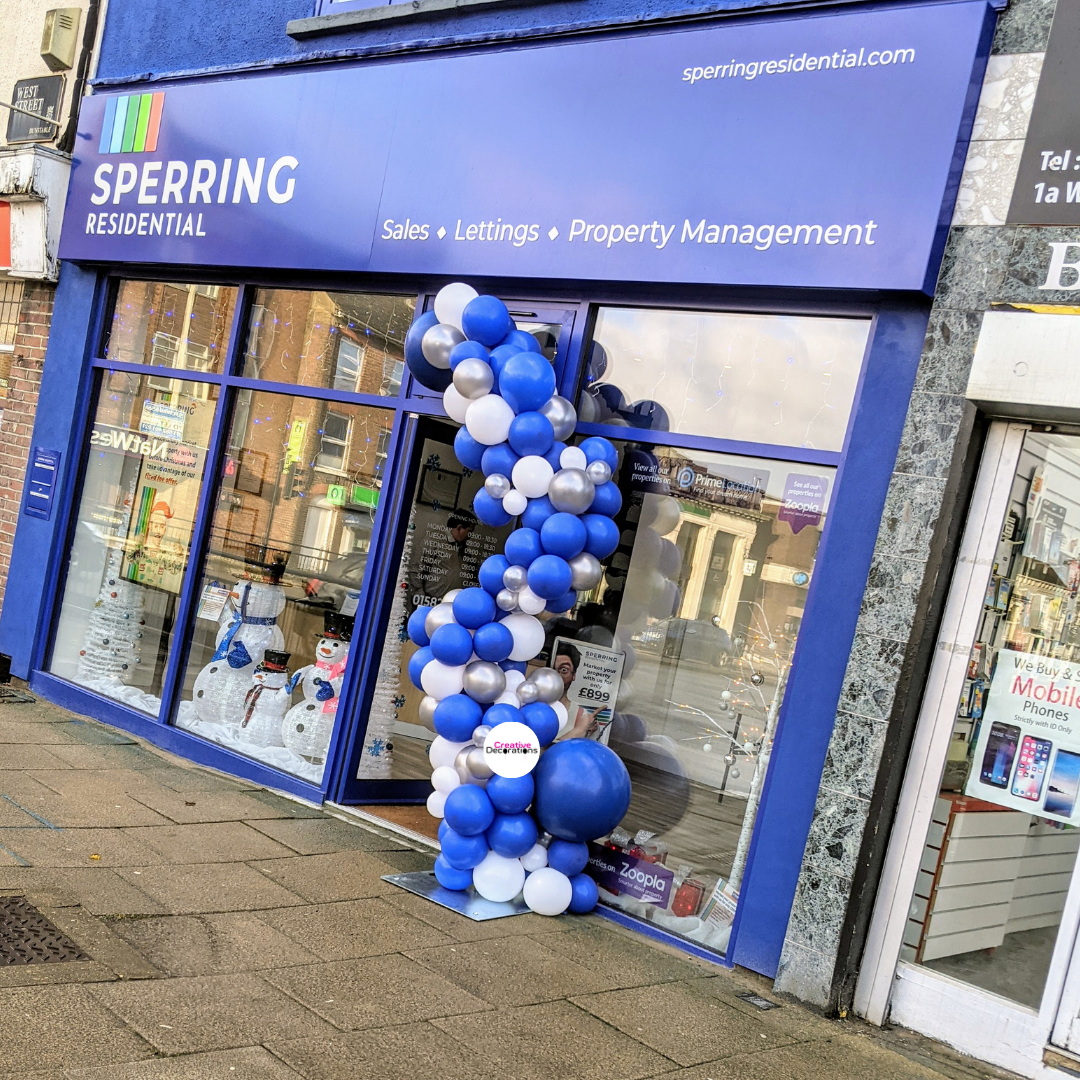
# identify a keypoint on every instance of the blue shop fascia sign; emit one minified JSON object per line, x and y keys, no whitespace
{"x":815,"y":151}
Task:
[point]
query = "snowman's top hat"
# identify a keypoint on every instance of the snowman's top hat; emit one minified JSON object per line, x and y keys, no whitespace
{"x":338,"y":626}
{"x":274,"y":661}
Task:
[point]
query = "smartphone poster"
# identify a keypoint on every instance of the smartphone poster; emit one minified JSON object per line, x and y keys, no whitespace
{"x":1027,"y":753}
{"x":591,"y":676}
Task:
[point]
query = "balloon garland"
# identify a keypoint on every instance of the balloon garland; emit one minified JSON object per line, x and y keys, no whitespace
{"x":510,"y":834}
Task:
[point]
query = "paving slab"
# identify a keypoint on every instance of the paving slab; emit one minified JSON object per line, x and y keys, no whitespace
{"x":92,"y":809}
{"x":248,"y":1063}
{"x":31,"y":756}
{"x":459,"y":928}
{"x":353,"y":928}
{"x":39,"y":846}
{"x":322,"y":835}
{"x":212,"y":944}
{"x":408,"y":862}
{"x":323,"y":879}
{"x":40,"y":734}
{"x":99,"y":889}
{"x":84,"y":756}
{"x":181,"y":1016}
{"x":223,"y":841}
{"x":374,"y":992}
{"x":187,"y":807}
{"x":207,"y":887}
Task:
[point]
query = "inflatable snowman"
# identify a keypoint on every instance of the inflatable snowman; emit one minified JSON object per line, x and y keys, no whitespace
{"x":267,"y":702}
{"x":309,"y":725}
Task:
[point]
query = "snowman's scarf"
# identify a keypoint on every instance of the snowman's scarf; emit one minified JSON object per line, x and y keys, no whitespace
{"x":251,"y":699}
{"x":329,"y":672}
{"x":239,"y":657}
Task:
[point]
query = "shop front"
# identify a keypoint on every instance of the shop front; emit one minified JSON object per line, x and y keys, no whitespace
{"x":238,"y":494}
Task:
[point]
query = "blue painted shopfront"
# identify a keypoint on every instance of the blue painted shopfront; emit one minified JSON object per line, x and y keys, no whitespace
{"x":618,"y":184}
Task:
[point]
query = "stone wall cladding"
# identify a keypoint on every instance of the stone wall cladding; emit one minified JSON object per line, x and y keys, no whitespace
{"x":985,"y":261}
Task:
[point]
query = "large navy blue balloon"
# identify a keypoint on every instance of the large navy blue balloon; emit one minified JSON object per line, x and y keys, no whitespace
{"x":527,"y":381}
{"x":474,"y":607}
{"x":499,"y":459}
{"x":511,"y":794}
{"x":467,"y":450}
{"x":450,"y":877}
{"x":607,"y":500}
{"x":491,"y":573}
{"x":531,"y":433}
{"x":490,"y":511}
{"x":543,"y":719}
{"x":452,"y":644}
{"x":485,"y":319}
{"x":596,"y":448}
{"x":537,"y":512}
{"x":511,"y":835}
{"x":469,"y":811}
{"x":467,"y":350}
{"x":569,"y":859}
{"x":563,"y":535}
{"x":417,"y":662}
{"x":584,"y":896}
{"x":602,"y":535}
{"x":582,"y":790}
{"x":554,"y":455}
{"x":522,"y":547}
{"x":550,"y":576}
{"x":493,"y":642}
{"x":432,"y":377}
{"x":417,"y":634}
{"x":456,"y":717}
{"x":463,"y":852}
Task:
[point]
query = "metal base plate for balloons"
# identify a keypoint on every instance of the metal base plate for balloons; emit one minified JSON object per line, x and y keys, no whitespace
{"x":470,"y":904}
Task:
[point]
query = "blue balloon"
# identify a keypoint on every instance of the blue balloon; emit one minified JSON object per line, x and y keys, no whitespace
{"x":493,"y":642}
{"x":499,"y":459}
{"x":432,"y":377}
{"x":607,"y":500}
{"x":522,"y":339}
{"x":511,"y":835}
{"x":585,"y":895}
{"x":452,"y":644}
{"x":543,"y":719}
{"x":457,"y":717}
{"x":569,"y":859}
{"x":450,"y":877}
{"x":537,"y":512}
{"x":443,"y":827}
{"x":554,"y":454}
{"x":498,"y":362}
{"x":485,"y":319}
{"x":474,"y":607}
{"x":596,"y":448}
{"x":417,"y":662}
{"x":563,"y":535}
{"x":469,"y":811}
{"x":502,"y":714}
{"x":582,"y":790}
{"x":549,"y":576}
{"x":467,"y":450}
{"x":490,"y":511}
{"x":527,"y":381}
{"x":523,"y":546}
{"x":531,"y":433}
{"x":417,"y":634}
{"x":466,"y":350}
{"x":562,"y":603}
{"x":514,"y":665}
{"x":463,"y":852}
{"x":602,"y":535}
{"x":491,"y":573}
{"x":511,"y":794}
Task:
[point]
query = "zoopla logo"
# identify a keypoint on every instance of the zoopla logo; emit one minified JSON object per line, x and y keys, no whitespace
{"x":685,"y":477}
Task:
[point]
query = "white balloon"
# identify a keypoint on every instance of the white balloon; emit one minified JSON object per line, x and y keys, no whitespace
{"x":441,"y":680}
{"x":514,"y":679}
{"x":532,"y":475}
{"x":530,"y":603}
{"x":534,"y":858}
{"x":573,"y":457}
{"x":449,"y":598}
{"x":514,"y":502}
{"x":528,"y":632}
{"x":488,"y":419}
{"x":451,"y":300}
{"x":548,"y":892}
{"x":445,"y":779}
{"x":499,"y":879}
{"x":455,"y":405}
{"x":661,"y":512}
{"x":507,"y":697}
{"x":563,"y":715}
{"x":436,"y":803}
{"x":442,"y":752}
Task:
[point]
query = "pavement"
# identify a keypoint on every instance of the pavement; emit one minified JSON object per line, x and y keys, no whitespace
{"x":224,"y":931}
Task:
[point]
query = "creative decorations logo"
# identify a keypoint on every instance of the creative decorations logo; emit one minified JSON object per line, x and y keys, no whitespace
{"x":131,"y":124}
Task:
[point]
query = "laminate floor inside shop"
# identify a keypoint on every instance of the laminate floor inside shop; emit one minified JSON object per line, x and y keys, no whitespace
{"x":220,"y":930}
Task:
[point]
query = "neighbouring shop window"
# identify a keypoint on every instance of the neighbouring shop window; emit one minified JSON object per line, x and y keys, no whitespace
{"x":11,"y":294}
{"x":279,"y":590}
{"x":1002,"y":848}
{"x":165,"y":324}
{"x":144,"y":465}
{"x":342,"y":341}
{"x":785,"y":380}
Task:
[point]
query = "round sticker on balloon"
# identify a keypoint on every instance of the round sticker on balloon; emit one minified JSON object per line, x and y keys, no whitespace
{"x":511,"y":749}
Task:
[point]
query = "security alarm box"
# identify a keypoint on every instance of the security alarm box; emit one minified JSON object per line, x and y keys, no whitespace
{"x":60,"y":38}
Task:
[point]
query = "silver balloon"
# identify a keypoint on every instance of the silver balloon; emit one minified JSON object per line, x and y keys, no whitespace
{"x":439,"y":615}
{"x":548,"y":683}
{"x":480,"y":733}
{"x":437,"y":343}
{"x":475,"y":763}
{"x":506,"y":600}
{"x":484,"y":682}
{"x":571,"y":491}
{"x":473,"y":378}
{"x":527,"y":693}
{"x":599,"y":472}
{"x":585,"y":572}
{"x":497,"y":485}
{"x":515,"y":578}
{"x":426,"y":712}
{"x":465,"y":774}
{"x":562,"y":416}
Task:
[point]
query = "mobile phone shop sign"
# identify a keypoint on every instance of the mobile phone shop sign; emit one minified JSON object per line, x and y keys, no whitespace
{"x":787,"y":151}
{"x":1027,"y":754}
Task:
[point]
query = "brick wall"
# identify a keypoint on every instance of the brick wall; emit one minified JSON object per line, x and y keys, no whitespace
{"x":27,"y":362}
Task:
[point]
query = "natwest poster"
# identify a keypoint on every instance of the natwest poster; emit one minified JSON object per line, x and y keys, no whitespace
{"x":1027,"y":754}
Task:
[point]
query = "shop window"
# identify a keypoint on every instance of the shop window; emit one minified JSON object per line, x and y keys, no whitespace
{"x":11,"y":293}
{"x":165,"y":324}
{"x":785,"y":380}
{"x":279,"y":589}
{"x":343,"y":341}
{"x":144,"y":464}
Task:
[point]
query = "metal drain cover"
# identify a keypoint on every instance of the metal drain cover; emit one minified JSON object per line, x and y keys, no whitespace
{"x":27,"y":937}
{"x":10,"y":696}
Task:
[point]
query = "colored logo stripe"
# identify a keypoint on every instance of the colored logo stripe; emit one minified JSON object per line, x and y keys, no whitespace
{"x":131,"y":124}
